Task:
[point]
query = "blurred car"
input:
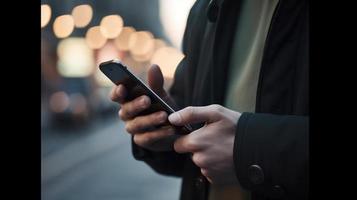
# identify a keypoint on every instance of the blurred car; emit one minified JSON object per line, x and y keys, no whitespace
{"x":69,"y":106}
{"x":78,"y":101}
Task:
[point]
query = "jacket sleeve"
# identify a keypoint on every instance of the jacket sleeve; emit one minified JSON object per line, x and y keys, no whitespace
{"x":271,"y":155}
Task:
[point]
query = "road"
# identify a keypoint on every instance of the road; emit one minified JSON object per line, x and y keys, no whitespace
{"x":95,"y":163}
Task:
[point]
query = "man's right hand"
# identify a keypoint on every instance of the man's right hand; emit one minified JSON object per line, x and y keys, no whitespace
{"x":142,"y":127}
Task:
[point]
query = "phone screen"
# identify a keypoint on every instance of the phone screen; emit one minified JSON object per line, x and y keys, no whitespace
{"x":119,"y":74}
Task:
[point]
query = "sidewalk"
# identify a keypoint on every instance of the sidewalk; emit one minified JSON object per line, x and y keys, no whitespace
{"x":99,"y":165}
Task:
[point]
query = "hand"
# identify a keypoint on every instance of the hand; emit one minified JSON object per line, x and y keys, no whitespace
{"x":159,"y":139}
{"x":211,"y":145}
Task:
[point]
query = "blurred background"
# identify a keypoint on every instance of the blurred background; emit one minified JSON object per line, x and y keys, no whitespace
{"x":85,"y":151}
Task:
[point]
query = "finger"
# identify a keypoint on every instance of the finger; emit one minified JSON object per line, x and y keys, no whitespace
{"x":187,"y":143}
{"x":200,"y":159}
{"x":131,"y":108}
{"x":156,"y":80}
{"x":142,"y":123}
{"x":118,"y":94}
{"x":148,"y":138}
{"x":190,"y":115}
{"x":205,"y":172}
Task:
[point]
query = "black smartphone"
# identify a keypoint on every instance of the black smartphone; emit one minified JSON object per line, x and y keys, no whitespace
{"x":118,"y":73}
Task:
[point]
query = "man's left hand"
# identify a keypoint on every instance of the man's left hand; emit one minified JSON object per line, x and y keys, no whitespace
{"x":212,"y":145}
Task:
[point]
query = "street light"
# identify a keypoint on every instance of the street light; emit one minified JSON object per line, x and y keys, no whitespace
{"x":94,"y":38}
{"x":167,"y":58}
{"x":82,"y":15}
{"x":141,"y":43}
{"x":76,"y":59}
{"x":122,"y":41}
{"x":111,"y":26}
{"x":63,"y":26}
{"x":45,"y":15}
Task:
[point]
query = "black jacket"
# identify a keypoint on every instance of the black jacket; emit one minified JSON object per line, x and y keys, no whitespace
{"x":271,"y":145}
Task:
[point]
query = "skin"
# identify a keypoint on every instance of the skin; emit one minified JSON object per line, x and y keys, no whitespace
{"x":211,"y":146}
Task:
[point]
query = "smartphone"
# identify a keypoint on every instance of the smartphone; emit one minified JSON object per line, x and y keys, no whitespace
{"x":118,"y":73}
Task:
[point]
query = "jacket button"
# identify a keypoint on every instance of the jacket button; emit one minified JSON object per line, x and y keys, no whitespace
{"x":199,"y":182}
{"x":212,"y":11}
{"x":277,"y":192}
{"x":255,"y":174}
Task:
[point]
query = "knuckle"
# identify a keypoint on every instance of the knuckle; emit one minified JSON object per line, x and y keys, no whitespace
{"x":176,"y":146}
{"x":122,"y":114}
{"x":128,"y":128}
{"x":141,"y":140}
{"x":190,"y":143}
{"x":159,"y":117}
{"x":155,"y":116}
{"x":127,"y":111}
{"x":204,"y":172}
{"x":136,"y":140}
{"x":179,"y":145}
{"x":198,"y":159}
{"x":141,"y":102}
{"x":190,"y":111}
{"x":217,"y":107}
{"x":146,"y":139}
{"x":112,"y":96}
{"x":136,"y":123}
{"x":137,"y":102}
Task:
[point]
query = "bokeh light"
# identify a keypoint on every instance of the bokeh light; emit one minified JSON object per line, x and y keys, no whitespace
{"x":141,"y":43}
{"x":111,"y":26}
{"x":106,"y":53}
{"x":76,"y":59}
{"x":167,"y":58}
{"x":63,"y":26}
{"x":159,"y":43}
{"x":122,"y":41}
{"x":59,"y":102}
{"x":143,"y":58}
{"x":82,"y":15}
{"x":45,"y":15}
{"x":94,"y":38}
{"x":79,"y":104}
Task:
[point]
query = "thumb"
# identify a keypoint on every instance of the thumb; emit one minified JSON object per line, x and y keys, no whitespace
{"x":191,"y":115}
{"x":156,"y":80}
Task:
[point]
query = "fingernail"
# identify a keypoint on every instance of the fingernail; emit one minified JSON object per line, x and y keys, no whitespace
{"x":162,"y":117}
{"x":119,"y":90}
{"x":144,"y":101}
{"x":175,"y":118}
